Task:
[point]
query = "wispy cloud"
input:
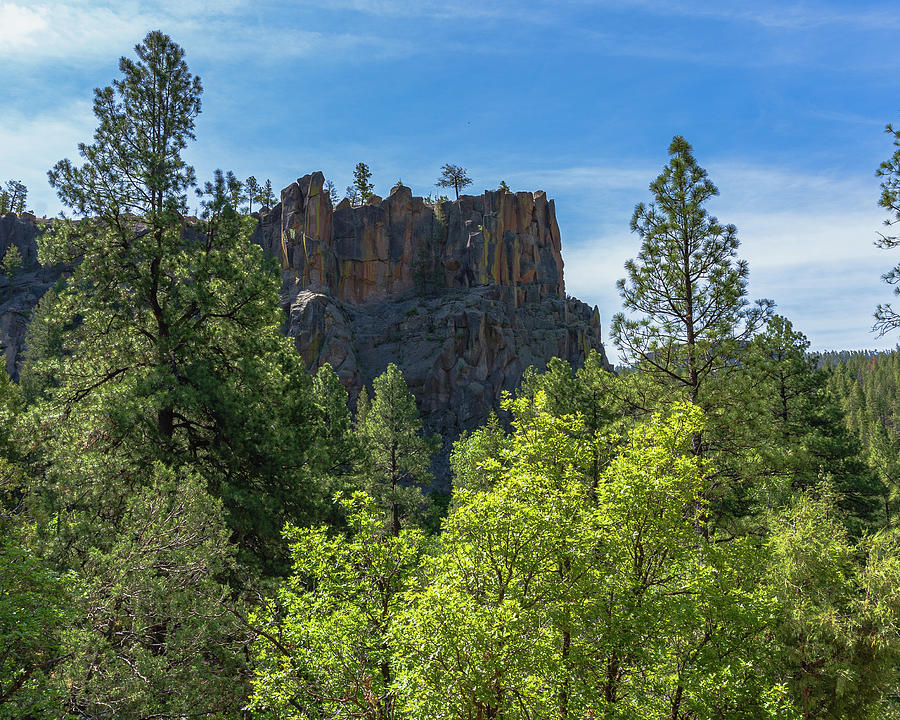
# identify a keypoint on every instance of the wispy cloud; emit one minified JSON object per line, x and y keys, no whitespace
{"x":78,"y":31}
{"x":32,"y":143}
{"x":66,"y":31}
{"x":793,"y":16}
{"x":808,"y":238}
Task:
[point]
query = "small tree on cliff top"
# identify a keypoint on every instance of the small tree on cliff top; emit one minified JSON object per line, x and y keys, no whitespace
{"x":453,"y":176}
{"x":362,"y":181}
{"x":253,"y":189}
{"x":12,"y":199}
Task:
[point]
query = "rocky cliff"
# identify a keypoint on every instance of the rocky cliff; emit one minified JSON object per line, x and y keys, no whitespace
{"x":462,"y":295}
{"x":22,"y":290}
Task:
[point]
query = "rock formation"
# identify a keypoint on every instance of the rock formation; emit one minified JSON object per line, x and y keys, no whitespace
{"x":463,"y":295}
{"x":22,"y":291}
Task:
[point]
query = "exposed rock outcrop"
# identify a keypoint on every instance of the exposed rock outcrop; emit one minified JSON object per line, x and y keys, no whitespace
{"x":20,"y":292}
{"x":462,"y":295}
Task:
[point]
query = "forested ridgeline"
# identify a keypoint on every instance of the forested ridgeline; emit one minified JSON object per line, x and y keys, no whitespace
{"x":194,"y":526}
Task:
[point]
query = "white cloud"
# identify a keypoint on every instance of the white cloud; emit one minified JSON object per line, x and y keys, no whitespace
{"x":79,"y":31}
{"x":33,"y":143}
{"x":67,"y":31}
{"x":796,"y":16}
{"x":807,"y":237}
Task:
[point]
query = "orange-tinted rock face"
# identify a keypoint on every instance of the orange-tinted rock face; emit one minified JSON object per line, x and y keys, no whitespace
{"x":463,"y":296}
{"x":401,"y":245}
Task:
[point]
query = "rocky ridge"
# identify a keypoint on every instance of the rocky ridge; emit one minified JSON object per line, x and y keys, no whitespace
{"x":462,"y":295}
{"x":20,"y":292}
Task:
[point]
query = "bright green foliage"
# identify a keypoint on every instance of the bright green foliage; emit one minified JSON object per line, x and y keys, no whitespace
{"x":397,"y":457}
{"x":33,"y":599}
{"x":606,"y":403}
{"x":554,"y":598}
{"x":476,"y":457}
{"x":33,"y":608}
{"x":12,"y":260}
{"x":362,"y":182}
{"x":482,"y":639}
{"x":13,"y":197}
{"x":323,"y":650}
{"x":551,"y":595}
{"x":886,"y":318}
{"x":686,"y":286}
{"x":837,"y":641}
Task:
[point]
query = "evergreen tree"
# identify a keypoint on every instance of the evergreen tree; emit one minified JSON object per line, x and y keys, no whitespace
{"x":453,"y":176}
{"x":352,"y":194}
{"x":332,"y":192}
{"x":267,"y":197}
{"x":686,"y":283}
{"x":12,"y":260}
{"x":171,"y":348}
{"x":253,"y":192}
{"x":886,"y":318}
{"x":397,"y":457}
{"x":799,"y":432}
{"x":362,"y":177}
{"x":13,"y":197}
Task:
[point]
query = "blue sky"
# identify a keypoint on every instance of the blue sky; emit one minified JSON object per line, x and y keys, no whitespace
{"x":784,"y":103}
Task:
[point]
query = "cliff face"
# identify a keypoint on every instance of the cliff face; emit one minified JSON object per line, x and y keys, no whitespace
{"x":463,"y":296}
{"x":20,"y":292}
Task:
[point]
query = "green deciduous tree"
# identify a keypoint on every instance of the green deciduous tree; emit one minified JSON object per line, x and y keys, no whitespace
{"x":323,"y":648}
{"x":453,"y":176}
{"x":397,"y":456}
{"x":553,"y":598}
